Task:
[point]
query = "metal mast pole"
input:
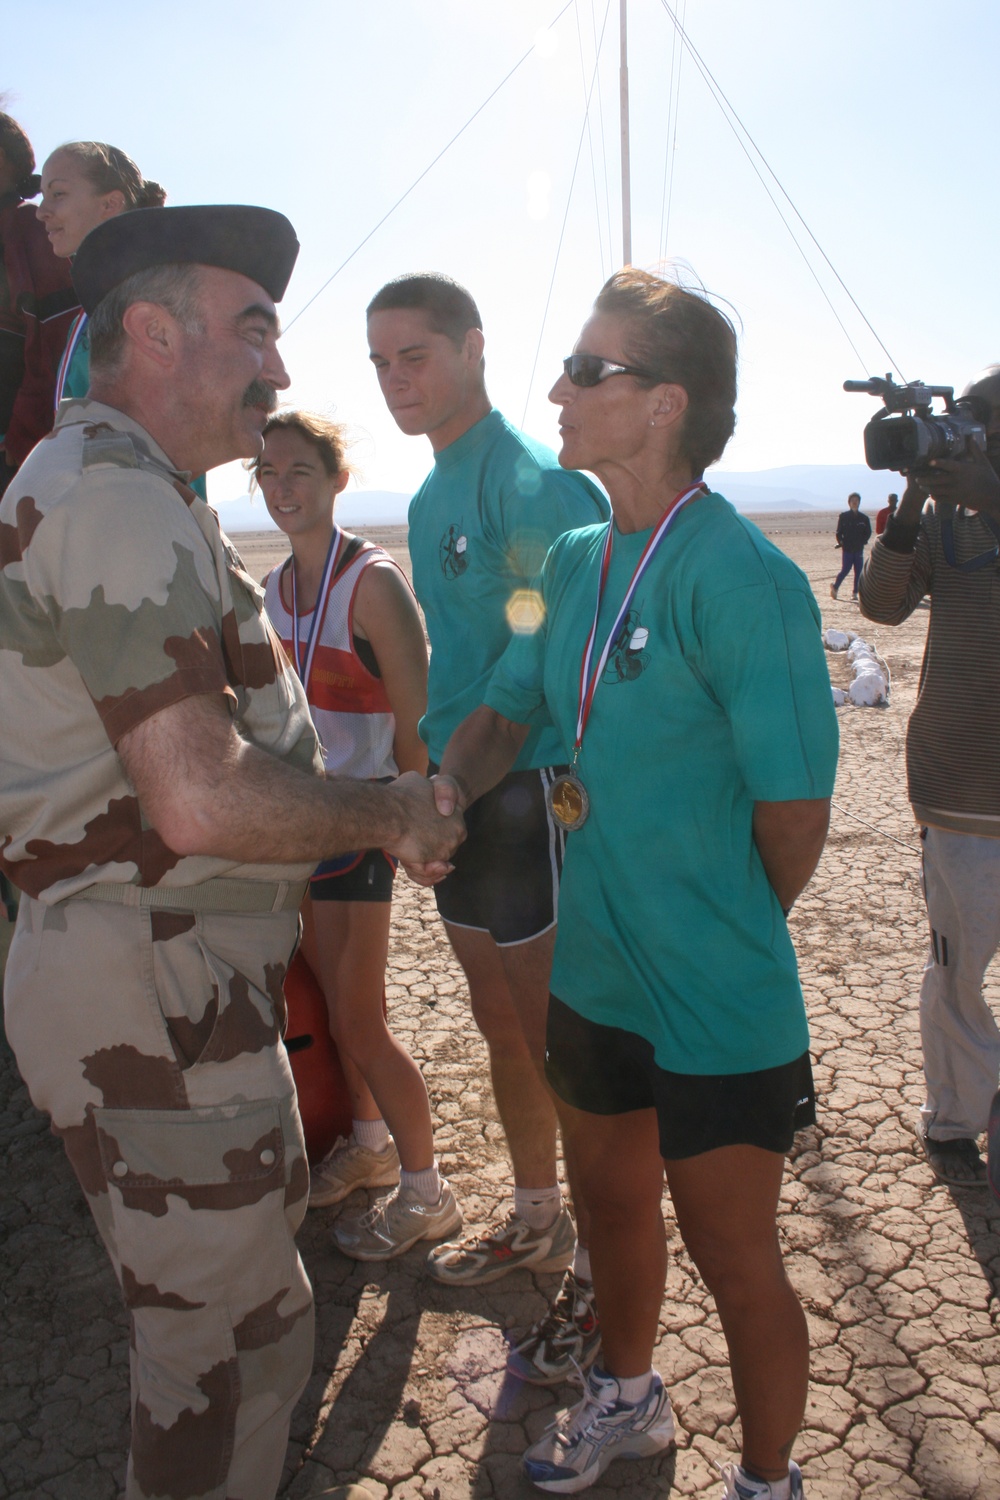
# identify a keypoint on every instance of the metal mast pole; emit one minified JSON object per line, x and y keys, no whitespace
{"x":626,"y":171}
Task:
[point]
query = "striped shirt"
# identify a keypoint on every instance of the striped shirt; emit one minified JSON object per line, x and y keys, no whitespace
{"x":952,"y":764}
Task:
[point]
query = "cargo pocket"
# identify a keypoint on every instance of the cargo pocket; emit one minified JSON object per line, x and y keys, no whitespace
{"x":197,"y":1201}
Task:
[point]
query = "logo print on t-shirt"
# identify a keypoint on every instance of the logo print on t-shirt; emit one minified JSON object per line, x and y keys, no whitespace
{"x":627,"y":658}
{"x":452,"y":549}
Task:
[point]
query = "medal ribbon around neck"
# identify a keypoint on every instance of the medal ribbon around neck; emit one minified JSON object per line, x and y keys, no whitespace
{"x":304,"y":661}
{"x":588,"y":681}
{"x":75,"y":334}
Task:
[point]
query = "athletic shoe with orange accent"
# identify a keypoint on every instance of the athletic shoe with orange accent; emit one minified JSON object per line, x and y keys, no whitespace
{"x":512,"y":1243}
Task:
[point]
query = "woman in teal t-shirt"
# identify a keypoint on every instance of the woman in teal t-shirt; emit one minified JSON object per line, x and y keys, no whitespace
{"x":680,"y":658}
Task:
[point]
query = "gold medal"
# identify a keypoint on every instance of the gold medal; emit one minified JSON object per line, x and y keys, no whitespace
{"x":569,"y":801}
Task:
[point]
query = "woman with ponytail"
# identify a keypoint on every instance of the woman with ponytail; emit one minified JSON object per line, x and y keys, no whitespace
{"x":83,"y":183}
{"x":37,"y":306}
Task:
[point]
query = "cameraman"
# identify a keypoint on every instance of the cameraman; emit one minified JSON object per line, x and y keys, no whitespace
{"x":951,"y":552}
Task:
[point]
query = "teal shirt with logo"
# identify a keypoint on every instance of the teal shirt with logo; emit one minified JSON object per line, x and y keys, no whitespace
{"x":715,"y":695}
{"x":480,"y":526}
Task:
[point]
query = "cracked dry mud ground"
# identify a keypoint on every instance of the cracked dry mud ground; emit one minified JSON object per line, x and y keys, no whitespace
{"x":898,"y":1275}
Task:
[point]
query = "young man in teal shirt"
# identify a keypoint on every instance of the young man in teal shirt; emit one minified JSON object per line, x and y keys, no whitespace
{"x":480,"y":526}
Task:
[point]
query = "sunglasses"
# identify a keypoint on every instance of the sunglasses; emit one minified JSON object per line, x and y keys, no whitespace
{"x":591,"y":369}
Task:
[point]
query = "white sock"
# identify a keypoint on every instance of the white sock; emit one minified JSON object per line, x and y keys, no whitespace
{"x":778,"y":1489}
{"x":373,"y":1134}
{"x":581,"y":1263}
{"x":635,"y":1389}
{"x":539,"y":1207}
{"x":426,"y":1184}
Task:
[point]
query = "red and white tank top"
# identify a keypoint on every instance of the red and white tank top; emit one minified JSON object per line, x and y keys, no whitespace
{"x":349,"y":705}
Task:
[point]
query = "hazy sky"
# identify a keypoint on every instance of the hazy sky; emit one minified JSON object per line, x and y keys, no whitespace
{"x":879,"y":120}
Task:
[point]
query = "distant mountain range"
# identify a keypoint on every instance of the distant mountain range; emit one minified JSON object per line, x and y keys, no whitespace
{"x":806,"y":487}
{"x":796,"y":487}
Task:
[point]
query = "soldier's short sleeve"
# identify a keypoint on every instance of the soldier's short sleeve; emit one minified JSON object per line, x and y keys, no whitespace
{"x":126,"y":579}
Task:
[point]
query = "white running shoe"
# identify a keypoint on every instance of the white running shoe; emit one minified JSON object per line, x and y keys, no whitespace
{"x":349,"y":1166}
{"x":740,"y":1486}
{"x":580,"y":1444}
{"x":395,"y":1223}
{"x":512,"y":1243}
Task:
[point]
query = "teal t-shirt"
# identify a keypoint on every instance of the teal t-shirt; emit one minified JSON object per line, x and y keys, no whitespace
{"x":715,"y":695}
{"x":77,"y":384}
{"x":480,"y":526}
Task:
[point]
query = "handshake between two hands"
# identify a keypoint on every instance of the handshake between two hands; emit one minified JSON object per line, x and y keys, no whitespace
{"x":433,"y":826}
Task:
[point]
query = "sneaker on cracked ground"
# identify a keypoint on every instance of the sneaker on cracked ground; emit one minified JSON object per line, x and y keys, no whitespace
{"x":578,"y":1447}
{"x":395,"y":1223}
{"x":741,"y":1486}
{"x":349,"y":1166}
{"x":503,"y":1248}
{"x":564,"y":1342}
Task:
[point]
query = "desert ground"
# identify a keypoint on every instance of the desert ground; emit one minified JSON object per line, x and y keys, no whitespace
{"x":899,"y":1275}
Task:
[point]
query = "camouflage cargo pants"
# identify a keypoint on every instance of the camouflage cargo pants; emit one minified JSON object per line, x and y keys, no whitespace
{"x":150,"y":1037}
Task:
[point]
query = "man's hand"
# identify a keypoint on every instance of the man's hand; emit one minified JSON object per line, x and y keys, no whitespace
{"x":970,"y":481}
{"x":429,"y":833}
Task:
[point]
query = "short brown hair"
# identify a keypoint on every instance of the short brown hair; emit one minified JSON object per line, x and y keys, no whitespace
{"x":448,"y":306}
{"x":682,"y":340}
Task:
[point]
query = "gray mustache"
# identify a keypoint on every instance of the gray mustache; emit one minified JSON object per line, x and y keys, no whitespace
{"x":259,"y":393}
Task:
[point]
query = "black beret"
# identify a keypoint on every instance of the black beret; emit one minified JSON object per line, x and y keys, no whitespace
{"x":256,"y":242}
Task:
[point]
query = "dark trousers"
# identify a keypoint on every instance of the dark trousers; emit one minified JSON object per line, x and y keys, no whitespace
{"x":851,"y":560}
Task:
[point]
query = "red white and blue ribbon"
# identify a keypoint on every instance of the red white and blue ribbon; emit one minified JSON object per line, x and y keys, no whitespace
{"x":588,"y":679}
{"x":75,"y":333}
{"x":304,"y":658}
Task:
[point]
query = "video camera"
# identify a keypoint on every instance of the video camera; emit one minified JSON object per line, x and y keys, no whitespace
{"x":895,"y":439}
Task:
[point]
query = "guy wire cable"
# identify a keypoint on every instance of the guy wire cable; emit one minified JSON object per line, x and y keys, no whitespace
{"x":444,"y":150}
{"x":727,"y":111}
{"x":600,"y":117}
{"x":670,"y":154}
{"x":881,"y":831}
{"x":562,"y":232}
{"x":590,"y":145}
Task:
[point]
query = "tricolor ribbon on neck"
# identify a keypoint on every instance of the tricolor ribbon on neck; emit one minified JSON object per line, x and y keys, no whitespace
{"x":75,"y":334}
{"x":304,"y":658}
{"x":588,"y":680}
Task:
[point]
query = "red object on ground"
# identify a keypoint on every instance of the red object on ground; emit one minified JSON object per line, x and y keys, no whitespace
{"x":324,"y":1102}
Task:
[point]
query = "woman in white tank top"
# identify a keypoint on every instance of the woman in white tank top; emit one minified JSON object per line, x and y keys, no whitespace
{"x":349,"y":623}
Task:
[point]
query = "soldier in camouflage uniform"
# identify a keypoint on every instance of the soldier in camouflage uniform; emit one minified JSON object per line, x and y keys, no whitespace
{"x":161,"y":804}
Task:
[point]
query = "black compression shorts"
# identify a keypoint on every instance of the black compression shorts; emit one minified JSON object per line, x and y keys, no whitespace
{"x":606,"y":1071}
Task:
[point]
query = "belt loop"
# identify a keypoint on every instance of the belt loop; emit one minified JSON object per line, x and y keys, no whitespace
{"x":132,"y":895}
{"x":280,"y":893}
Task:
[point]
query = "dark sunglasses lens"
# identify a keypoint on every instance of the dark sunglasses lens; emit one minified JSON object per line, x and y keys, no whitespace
{"x":584,"y":369}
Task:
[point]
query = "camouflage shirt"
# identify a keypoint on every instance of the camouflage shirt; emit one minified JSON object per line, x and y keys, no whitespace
{"x":120,"y":595}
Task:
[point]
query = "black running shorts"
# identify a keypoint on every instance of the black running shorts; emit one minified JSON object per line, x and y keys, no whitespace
{"x":506,"y":876}
{"x":606,"y":1071}
{"x":364,"y":876}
